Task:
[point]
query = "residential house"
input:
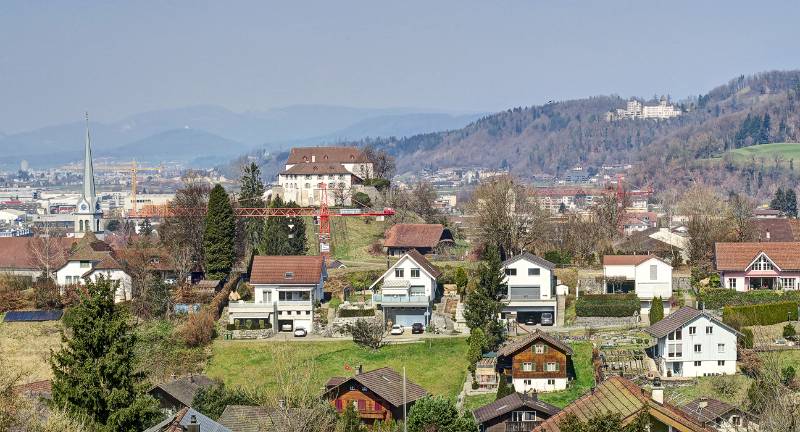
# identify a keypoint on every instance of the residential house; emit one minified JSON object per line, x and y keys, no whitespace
{"x":408,"y":289}
{"x":178,"y":393}
{"x":247,"y":418}
{"x":777,"y":230}
{"x":425,"y":238}
{"x":766,"y":213}
{"x":376,"y":395}
{"x":286,"y":289}
{"x":646,"y":275}
{"x":620,"y":396}
{"x":486,"y":373}
{"x":91,"y":259}
{"x":655,"y":241}
{"x":758,"y":265}
{"x":693,"y":343}
{"x":340,"y":168}
{"x":536,"y":361}
{"x":188,"y":420}
{"x":721,"y":416}
{"x":23,"y":256}
{"x":517,"y":412}
{"x":531,"y":289}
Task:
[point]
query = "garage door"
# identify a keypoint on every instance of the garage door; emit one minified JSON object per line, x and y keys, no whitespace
{"x":408,"y":317}
{"x":525,"y":293}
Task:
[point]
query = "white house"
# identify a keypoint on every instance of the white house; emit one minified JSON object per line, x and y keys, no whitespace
{"x":92,"y":258}
{"x":531,"y":289}
{"x":340,"y":168}
{"x":692,"y":343}
{"x":286,"y":289}
{"x":407,"y":291}
{"x":647,"y":275}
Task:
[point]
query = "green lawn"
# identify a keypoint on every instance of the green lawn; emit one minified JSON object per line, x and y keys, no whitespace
{"x":707,"y":387}
{"x":439,"y":365}
{"x":582,"y":359}
{"x":767,"y":151}
{"x":351,"y":238}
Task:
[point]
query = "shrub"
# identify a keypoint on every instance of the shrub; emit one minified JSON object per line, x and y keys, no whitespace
{"x":607,"y":305}
{"x":367,"y":333}
{"x":747,"y":338}
{"x":355,"y":313}
{"x":759,"y":314}
{"x":656,"y":310}
{"x":789,"y":331}
{"x":198,"y":329}
{"x":719,"y":298}
{"x":725,"y":386}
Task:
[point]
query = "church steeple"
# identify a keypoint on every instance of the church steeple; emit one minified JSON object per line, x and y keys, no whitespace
{"x":88,"y":170}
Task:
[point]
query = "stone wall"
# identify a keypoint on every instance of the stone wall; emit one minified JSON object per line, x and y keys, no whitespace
{"x":605,"y":321}
{"x":251,"y":334}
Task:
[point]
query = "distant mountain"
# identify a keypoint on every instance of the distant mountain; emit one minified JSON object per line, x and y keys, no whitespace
{"x":194,"y":146}
{"x":272,"y":129}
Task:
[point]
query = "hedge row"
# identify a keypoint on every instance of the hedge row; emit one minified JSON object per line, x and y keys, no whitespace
{"x":353,"y":313}
{"x":607,"y":305}
{"x":721,"y":297}
{"x":760,"y":314}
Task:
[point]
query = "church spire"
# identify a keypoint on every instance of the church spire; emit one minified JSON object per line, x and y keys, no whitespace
{"x":88,"y":169}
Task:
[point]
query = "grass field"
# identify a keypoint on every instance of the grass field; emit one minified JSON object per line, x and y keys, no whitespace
{"x":26,"y":347}
{"x":438,"y":364}
{"x":767,"y":151}
{"x":351,"y":238}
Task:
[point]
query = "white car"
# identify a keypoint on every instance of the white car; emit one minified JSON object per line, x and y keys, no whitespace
{"x":397,"y":329}
{"x":300,"y":332}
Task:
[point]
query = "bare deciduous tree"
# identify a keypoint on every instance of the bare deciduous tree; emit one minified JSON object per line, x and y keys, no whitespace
{"x":186,"y":227}
{"x":47,"y":249}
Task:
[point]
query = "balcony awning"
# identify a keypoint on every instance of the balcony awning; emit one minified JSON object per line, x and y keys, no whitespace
{"x":395,"y":286}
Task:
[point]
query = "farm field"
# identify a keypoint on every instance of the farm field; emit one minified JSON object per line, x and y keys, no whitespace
{"x":437,"y":364}
{"x":26,"y":346}
{"x":767,"y":151}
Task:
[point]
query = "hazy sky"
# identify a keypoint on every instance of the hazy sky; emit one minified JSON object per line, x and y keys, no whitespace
{"x":59,"y":58}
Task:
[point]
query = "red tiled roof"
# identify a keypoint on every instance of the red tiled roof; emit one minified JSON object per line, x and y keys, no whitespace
{"x":274,"y":269}
{"x":15,"y":252}
{"x":35,"y":389}
{"x":299,"y":155}
{"x":737,"y":256}
{"x":779,"y":230}
{"x":414,"y":235}
{"x":318,"y":168}
{"x":626,"y":259}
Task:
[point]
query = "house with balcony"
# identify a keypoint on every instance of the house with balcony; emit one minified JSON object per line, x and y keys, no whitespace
{"x":377,"y":395}
{"x":693,"y":343}
{"x":531,"y":289}
{"x":407,"y":290}
{"x":537,"y":361}
{"x":517,"y":412}
{"x":646,"y":275}
{"x":758,"y":265}
{"x":286,"y":289}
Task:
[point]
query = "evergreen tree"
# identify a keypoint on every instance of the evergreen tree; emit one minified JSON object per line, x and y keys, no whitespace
{"x":212,"y":400}
{"x":483,"y":305}
{"x":778,"y":201}
{"x":790,"y":207}
{"x":349,"y":420}
{"x":220,"y":234}
{"x":296,"y":227}
{"x":656,"y":310}
{"x":283,"y":235}
{"x":251,"y":195}
{"x":503,"y":388}
{"x":94,"y":372}
{"x":764,"y":132}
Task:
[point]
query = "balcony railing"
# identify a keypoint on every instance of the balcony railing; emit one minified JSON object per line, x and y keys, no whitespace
{"x":521,"y":426}
{"x":413,"y":299}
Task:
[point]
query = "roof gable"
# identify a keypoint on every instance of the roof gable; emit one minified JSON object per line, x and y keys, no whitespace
{"x":287,"y":270}
{"x":416,"y":258}
{"x":738,"y":256}
{"x":513,"y":402}
{"x":680,"y":319}
{"x":414,"y":235}
{"x":531,"y":258}
{"x":386,"y":383}
{"x":515,"y":345}
{"x":634,"y":260}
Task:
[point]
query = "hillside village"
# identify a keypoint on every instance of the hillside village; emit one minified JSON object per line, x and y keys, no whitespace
{"x":341,"y":299}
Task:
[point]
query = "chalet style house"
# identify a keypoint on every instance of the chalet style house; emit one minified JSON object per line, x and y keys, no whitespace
{"x":531,"y":289}
{"x":620,"y":396}
{"x":285,"y":291}
{"x":424,"y":238}
{"x":517,"y":412}
{"x":376,"y":395}
{"x":537,"y":361}
{"x":720,"y":416}
{"x":408,"y":289}
{"x":646,"y":275}
{"x":340,"y":168}
{"x":758,"y":265}
{"x":693,"y":343}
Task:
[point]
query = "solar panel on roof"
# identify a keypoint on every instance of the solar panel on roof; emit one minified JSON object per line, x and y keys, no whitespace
{"x":37,"y":315}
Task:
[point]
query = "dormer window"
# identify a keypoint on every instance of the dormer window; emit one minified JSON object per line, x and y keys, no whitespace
{"x":288,"y":275}
{"x":762,"y":263}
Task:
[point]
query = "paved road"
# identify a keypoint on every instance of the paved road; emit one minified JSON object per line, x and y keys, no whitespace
{"x":407,"y":337}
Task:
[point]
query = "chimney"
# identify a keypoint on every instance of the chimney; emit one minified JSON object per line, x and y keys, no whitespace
{"x":359,"y":369}
{"x":767,"y":235}
{"x":193,"y":426}
{"x":313,"y":158}
{"x":657,"y":393}
{"x":702,"y":404}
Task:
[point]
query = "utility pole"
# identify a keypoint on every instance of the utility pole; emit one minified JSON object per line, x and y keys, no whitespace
{"x":405,"y":416}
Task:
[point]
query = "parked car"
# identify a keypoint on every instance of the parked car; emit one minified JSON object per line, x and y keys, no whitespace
{"x":417,"y":328}
{"x":286,"y":327}
{"x":397,"y":329}
{"x":547,"y":319}
{"x":300,"y":332}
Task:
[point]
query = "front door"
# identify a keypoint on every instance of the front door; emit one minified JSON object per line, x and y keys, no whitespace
{"x":676,"y":369}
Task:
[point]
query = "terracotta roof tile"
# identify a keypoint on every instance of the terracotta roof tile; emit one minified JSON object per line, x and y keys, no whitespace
{"x":299,"y":155}
{"x":774,"y":230}
{"x":291,"y":270}
{"x":737,"y":256}
{"x":16,"y":252}
{"x":626,"y":259}
{"x":414,"y":235}
{"x":317,"y":168}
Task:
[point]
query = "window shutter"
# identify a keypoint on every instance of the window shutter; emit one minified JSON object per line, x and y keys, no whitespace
{"x":362,"y":405}
{"x":558,"y":366}
{"x":338,"y":404}
{"x":378,"y":406}
{"x":533,"y":366}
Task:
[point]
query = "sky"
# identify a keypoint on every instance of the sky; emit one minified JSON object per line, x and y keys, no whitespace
{"x":115,"y":58}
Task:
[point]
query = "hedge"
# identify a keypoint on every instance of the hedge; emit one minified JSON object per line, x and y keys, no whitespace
{"x":760,"y":314}
{"x":354,"y":313}
{"x":607,"y":305}
{"x":721,"y":297}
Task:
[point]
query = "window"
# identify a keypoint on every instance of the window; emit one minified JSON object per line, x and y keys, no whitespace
{"x":308,"y":185}
{"x":763,"y":263}
{"x":736,"y":420}
{"x":692,"y":330}
{"x":698,"y":348}
{"x":523,"y":416}
{"x":720,"y":348}
{"x":697,"y":364}
{"x":787,"y":283}
{"x":676,"y":335}
{"x":720,"y":362}
{"x":288,"y":275}
{"x":709,"y":329}
{"x":732,"y":283}
{"x":527,"y":382}
{"x":534,"y":272}
{"x":653,"y":272}
{"x":85,"y":264}
{"x":552,"y":367}
{"x":511,"y":272}
{"x":362,"y":405}
{"x":527,"y":367}
{"x":539,"y":349}
{"x":551,"y":382}
{"x":414,"y":272}
{"x":675,"y":350}
{"x":398,"y":272}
